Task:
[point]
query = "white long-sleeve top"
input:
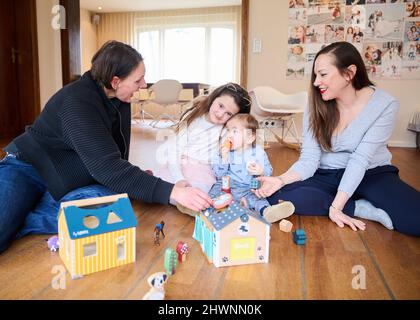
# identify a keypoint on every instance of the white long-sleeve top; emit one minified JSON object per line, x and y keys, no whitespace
{"x":361,"y":146}
{"x":198,"y":142}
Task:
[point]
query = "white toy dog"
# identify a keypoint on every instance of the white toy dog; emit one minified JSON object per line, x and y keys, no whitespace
{"x":156,"y":281}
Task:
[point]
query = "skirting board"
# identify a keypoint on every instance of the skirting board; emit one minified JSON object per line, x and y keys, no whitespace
{"x":402,"y":144}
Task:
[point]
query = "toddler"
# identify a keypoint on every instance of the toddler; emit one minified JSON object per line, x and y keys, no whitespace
{"x":241,"y":162}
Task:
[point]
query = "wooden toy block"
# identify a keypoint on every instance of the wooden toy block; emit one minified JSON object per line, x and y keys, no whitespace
{"x":285,"y":225}
{"x":299,"y":237}
{"x":254,"y":184}
{"x":170,"y":261}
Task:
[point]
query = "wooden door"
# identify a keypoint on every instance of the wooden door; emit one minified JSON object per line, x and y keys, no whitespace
{"x":19,"y":77}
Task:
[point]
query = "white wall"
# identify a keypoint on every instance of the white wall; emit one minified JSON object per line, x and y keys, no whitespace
{"x":88,"y":39}
{"x":268,"y":21}
{"x":49,"y":51}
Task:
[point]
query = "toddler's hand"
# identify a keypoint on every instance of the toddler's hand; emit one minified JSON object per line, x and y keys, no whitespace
{"x":254,"y":168}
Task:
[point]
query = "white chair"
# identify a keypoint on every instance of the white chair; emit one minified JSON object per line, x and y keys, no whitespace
{"x":165,"y":93}
{"x":137,"y":110}
{"x":274,"y":109}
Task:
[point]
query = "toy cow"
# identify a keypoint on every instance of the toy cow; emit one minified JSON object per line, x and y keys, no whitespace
{"x":182,"y":251}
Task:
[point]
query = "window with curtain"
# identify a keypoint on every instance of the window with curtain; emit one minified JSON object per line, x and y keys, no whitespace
{"x":190,"y":54}
{"x":190,"y":45}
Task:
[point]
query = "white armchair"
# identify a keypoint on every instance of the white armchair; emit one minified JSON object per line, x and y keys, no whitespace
{"x":274,"y":110}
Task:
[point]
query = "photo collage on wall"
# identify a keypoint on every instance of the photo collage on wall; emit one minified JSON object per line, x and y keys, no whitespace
{"x":385,"y":32}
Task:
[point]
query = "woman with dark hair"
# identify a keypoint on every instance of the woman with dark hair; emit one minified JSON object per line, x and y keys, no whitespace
{"x":78,"y":148}
{"x":344,"y":170}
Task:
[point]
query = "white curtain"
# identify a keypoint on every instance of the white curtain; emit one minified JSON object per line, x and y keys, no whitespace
{"x":116,"y":26}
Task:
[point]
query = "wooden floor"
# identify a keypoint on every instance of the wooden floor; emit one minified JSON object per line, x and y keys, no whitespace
{"x":322,"y":269}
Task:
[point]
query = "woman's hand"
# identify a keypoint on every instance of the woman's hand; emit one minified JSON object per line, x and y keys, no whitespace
{"x":183,"y":183}
{"x":190,"y":197}
{"x":269,"y":185}
{"x":342,"y":219}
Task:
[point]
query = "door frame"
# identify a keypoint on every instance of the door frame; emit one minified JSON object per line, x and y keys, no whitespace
{"x":244,"y":43}
{"x":35,"y":60}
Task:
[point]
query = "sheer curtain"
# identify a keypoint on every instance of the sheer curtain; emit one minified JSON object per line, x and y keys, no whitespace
{"x":190,"y":45}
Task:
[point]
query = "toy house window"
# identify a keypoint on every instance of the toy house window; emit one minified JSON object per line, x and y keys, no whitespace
{"x":120,"y":248}
{"x":89,"y":249}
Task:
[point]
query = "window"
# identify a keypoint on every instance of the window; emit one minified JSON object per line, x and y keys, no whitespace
{"x":89,"y":249}
{"x":189,"y":54}
{"x":190,"y":44}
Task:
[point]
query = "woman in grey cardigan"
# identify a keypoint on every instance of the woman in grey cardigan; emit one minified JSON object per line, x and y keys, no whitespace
{"x":344,"y":170}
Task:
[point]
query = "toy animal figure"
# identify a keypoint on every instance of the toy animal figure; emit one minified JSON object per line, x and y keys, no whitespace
{"x":158,"y":230}
{"x":182,"y":251}
{"x":156,"y":282}
{"x":53,"y":243}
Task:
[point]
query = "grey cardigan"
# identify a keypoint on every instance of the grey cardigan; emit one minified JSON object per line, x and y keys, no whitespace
{"x":360,"y":146}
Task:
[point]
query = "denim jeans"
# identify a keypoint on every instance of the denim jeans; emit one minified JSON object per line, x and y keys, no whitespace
{"x":26,"y":207}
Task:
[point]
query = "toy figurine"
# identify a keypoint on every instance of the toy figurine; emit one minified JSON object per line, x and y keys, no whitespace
{"x":182,"y":250}
{"x":158,"y":230}
{"x":226,"y":179}
{"x":226,"y":184}
{"x":53,"y":243}
{"x":156,"y":282}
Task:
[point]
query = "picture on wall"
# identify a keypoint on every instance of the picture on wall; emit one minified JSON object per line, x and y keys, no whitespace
{"x":385,"y":32}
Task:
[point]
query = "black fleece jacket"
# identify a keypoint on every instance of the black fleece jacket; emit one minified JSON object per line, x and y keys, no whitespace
{"x":82,"y":137}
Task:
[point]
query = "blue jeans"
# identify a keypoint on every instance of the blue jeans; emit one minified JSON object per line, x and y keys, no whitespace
{"x":26,"y":207}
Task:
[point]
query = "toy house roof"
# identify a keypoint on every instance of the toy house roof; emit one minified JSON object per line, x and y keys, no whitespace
{"x":234,"y":211}
{"x":116,"y":216}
